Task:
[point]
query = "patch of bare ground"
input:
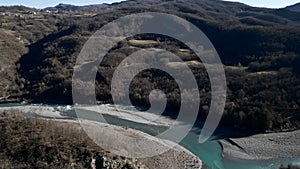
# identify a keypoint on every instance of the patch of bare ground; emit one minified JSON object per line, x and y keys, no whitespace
{"x":28,"y":142}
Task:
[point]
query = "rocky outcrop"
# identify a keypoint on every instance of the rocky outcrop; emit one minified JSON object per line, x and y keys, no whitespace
{"x":101,"y":162}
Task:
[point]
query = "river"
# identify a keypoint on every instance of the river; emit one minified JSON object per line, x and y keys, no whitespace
{"x":209,"y":152}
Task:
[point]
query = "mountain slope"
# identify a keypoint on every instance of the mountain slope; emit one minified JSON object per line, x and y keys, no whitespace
{"x":295,"y":7}
{"x":259,"y":48}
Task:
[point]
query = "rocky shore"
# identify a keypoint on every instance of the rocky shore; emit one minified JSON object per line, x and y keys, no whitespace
{"x":263,"y":146}
{"x":122,"y":140}
{"x":56,"y":132}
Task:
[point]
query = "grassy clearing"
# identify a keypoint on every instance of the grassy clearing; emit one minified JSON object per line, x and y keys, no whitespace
{"x":36,"y":16}
{"x":236,"y":67}
{"x":265,"y":73}
{"x":187,"y":63}
{"x":142,"y":42}
{"x":184,"y":50}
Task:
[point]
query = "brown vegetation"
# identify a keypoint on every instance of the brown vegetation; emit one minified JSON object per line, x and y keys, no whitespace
{"x":261,"y":40}
{"x":27,"y":142}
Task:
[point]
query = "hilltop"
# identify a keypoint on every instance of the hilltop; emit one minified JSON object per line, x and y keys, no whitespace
{"x":295,"y":7}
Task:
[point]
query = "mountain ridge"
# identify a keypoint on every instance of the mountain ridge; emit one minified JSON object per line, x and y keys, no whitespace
{"x":295,"y":7}
{"x":71,"y":7}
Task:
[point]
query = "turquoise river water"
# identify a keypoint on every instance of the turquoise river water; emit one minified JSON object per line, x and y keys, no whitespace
{"x":209,"y":152}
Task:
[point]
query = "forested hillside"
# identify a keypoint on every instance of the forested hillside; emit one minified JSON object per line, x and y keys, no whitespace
{"x":259,"y":49}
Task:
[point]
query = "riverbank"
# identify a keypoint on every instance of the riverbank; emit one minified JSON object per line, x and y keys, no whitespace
{"x":130,"y":142}
{"x":233,"y":156}
{"x":175,"y":157}
{"x":263,"y":146}
{"x":40,"y":111}
{"x":132,"y":114}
